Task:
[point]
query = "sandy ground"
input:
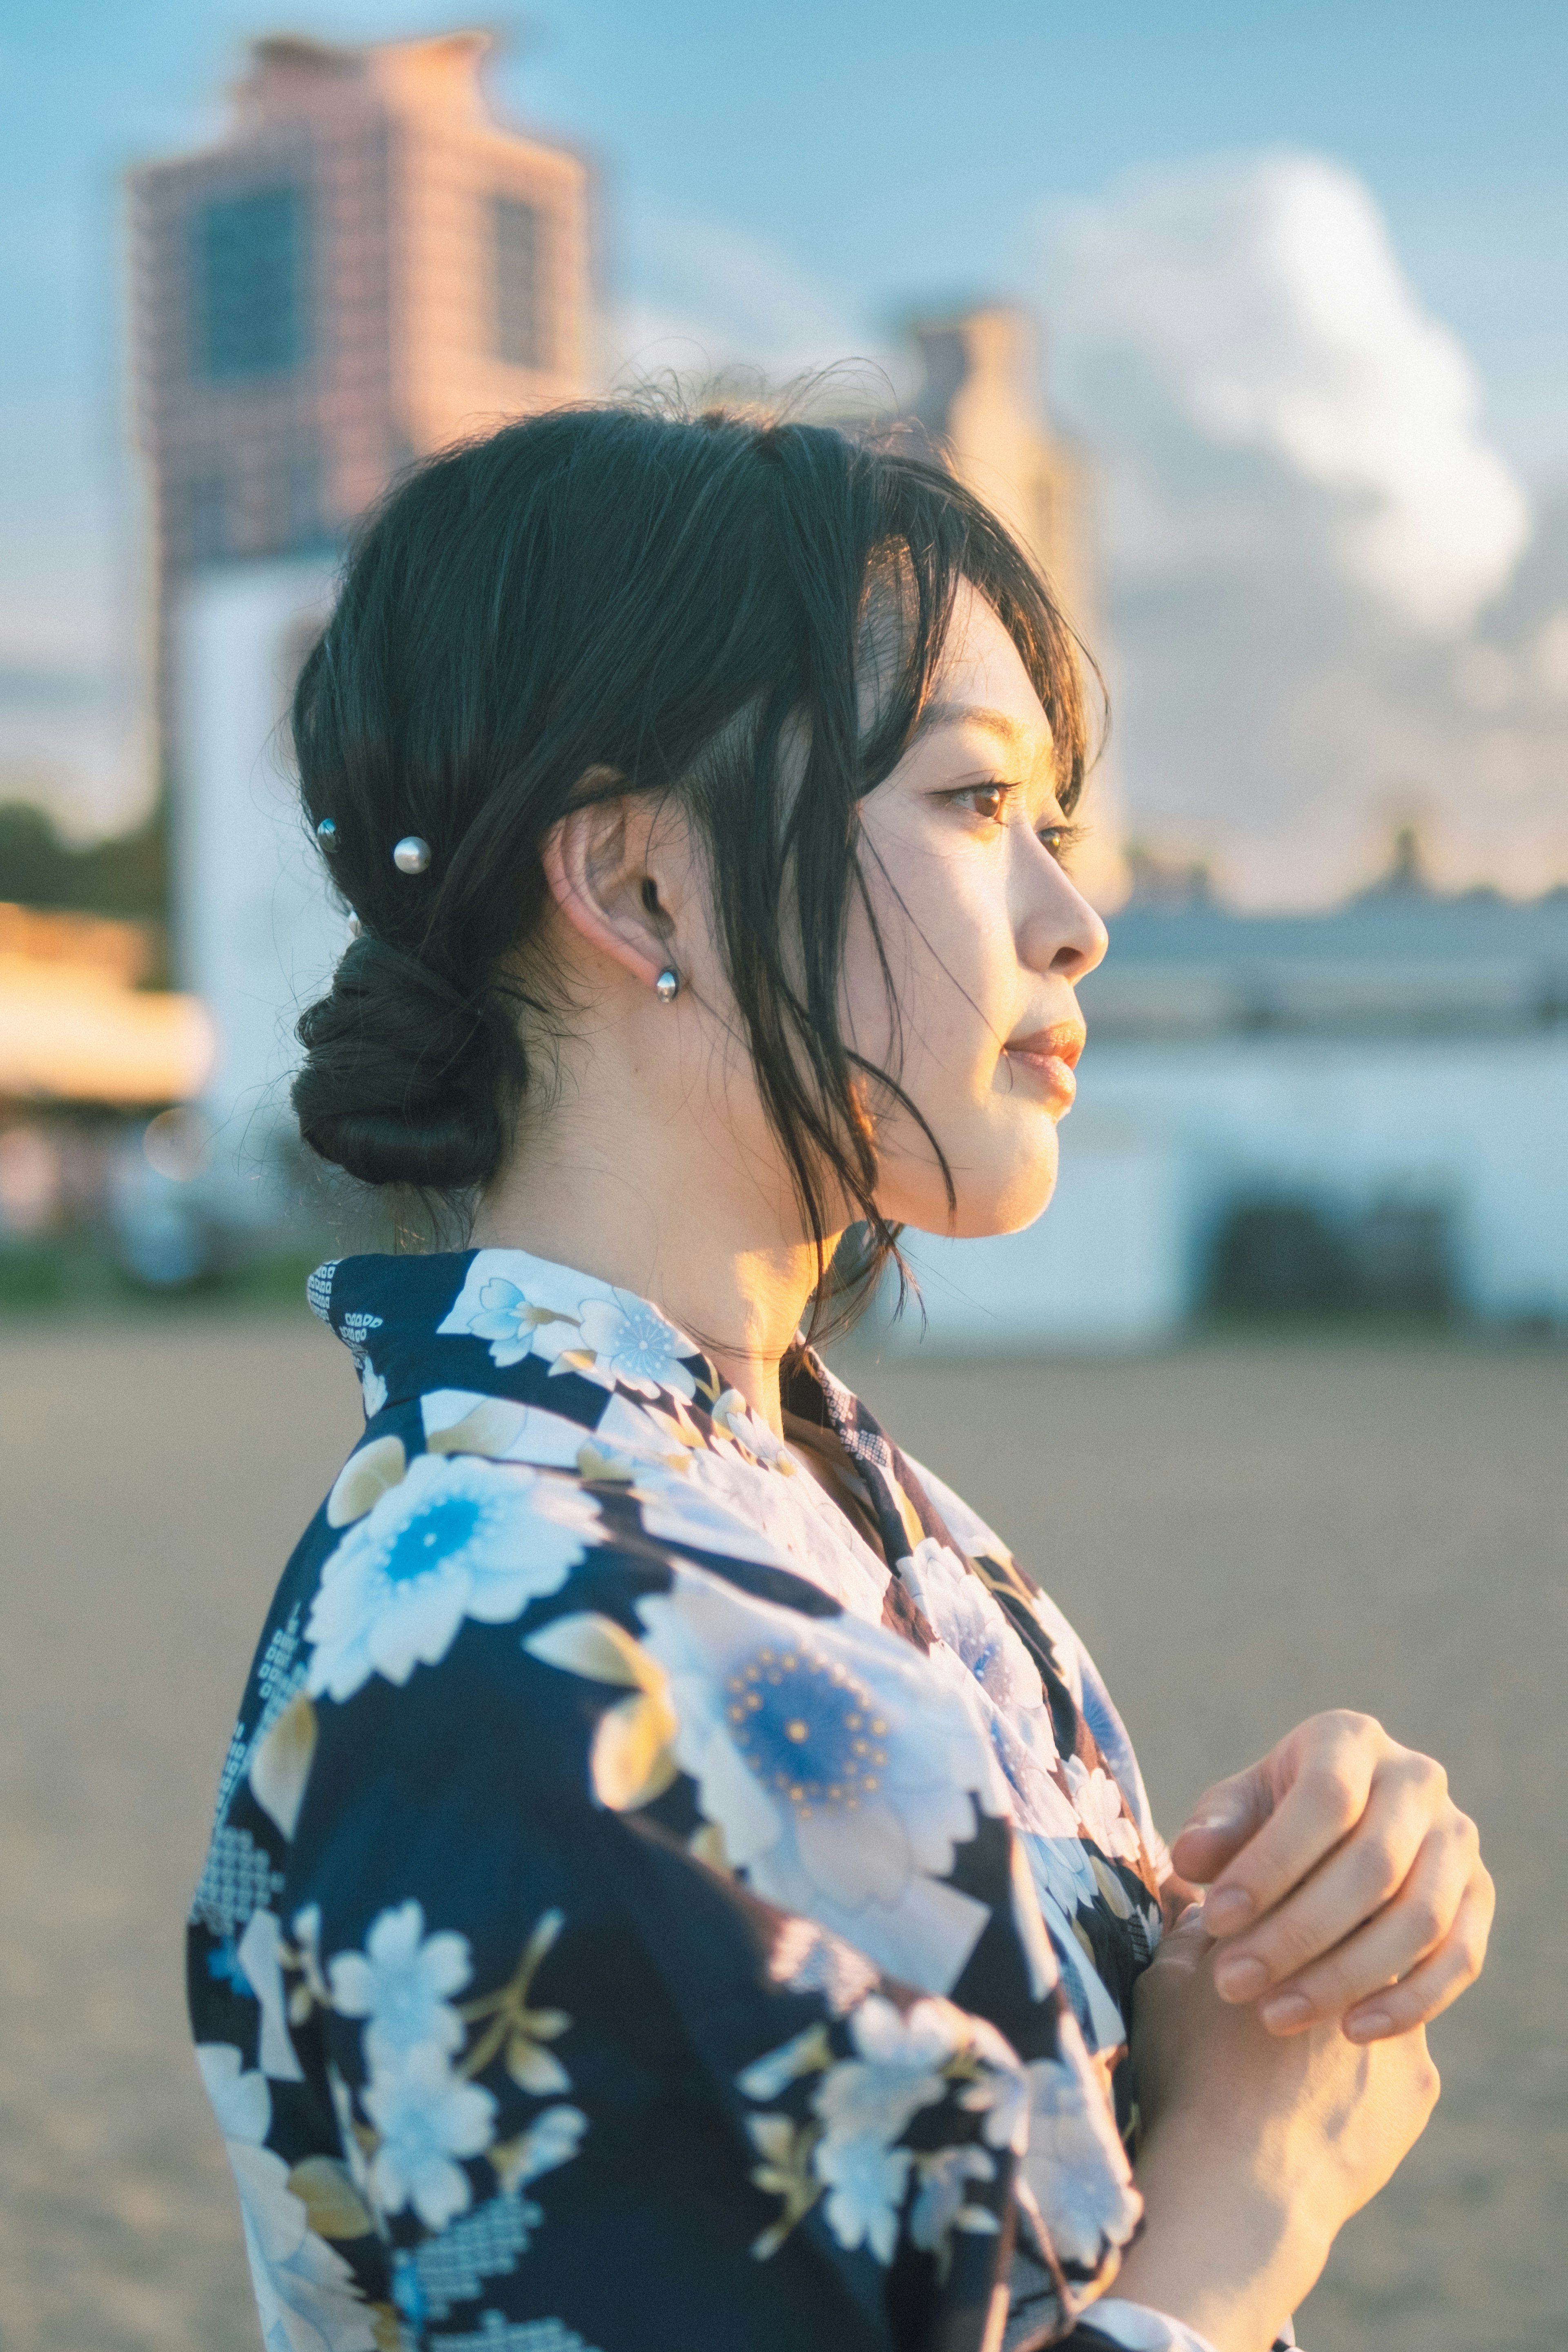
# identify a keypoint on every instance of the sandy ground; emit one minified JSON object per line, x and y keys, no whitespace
{"x":1244,"y":1531}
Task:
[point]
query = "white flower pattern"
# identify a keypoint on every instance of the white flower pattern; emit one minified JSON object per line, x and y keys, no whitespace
{"x":634,"y":1343}
{"x":427,"y":2117}
{"x":515,"y":1328}
{"x":840,"y":1780}
{"x":399,"y":1985}
{"x":304,"y":2291}
{"x":454,"y":1538}
{"x":525,"y":1306}
{"x":1102,"y":1811}
{"x":1074,"y":2163}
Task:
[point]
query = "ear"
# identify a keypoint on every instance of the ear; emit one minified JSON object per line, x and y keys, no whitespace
{"x":595,"y":861}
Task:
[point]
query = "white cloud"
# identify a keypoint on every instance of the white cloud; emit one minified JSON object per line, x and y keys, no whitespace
{"x":1266,"y":299}
{"x":1323,"y":611}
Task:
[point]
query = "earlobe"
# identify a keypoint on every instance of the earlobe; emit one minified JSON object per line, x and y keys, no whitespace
{"x":589,"y":874}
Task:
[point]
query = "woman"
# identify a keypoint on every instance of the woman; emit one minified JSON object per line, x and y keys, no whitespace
{"x":678,"y":1884}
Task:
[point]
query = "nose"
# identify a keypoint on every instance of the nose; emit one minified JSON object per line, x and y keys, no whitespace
{"x":1062,"y":933}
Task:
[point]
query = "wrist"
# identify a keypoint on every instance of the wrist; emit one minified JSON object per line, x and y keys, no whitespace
{"x":1223,"y":2249}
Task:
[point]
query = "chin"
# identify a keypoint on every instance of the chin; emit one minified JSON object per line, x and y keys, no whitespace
{"x":996,"y":1194}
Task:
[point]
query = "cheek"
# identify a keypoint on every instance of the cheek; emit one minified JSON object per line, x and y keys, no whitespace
{"x":948,"y":938}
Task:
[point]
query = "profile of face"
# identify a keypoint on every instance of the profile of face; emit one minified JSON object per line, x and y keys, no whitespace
{"x":987,"y":939}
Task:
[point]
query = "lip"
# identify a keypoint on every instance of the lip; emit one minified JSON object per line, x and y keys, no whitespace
{"x":1047,"y":1059}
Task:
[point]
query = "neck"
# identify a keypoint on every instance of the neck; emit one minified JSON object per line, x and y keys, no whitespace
{"x":725,"y":1263}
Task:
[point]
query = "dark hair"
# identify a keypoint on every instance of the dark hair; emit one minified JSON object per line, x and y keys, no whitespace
{"x":676,"y":600}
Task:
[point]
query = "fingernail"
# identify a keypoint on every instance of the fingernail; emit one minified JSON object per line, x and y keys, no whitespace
{"x":1226,"y":1906}
{"x":1368,"y":2025}
{"x":1286,"y":2009}
{"x":1239,"y":1980}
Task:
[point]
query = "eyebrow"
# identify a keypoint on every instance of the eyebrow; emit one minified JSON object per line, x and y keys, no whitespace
{"x":1011,"y":731}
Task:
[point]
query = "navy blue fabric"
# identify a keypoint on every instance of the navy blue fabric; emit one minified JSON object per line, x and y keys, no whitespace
{"x":467,"y":1788}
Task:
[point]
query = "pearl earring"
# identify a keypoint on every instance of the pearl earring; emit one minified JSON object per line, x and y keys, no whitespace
{"x":666,"y":987}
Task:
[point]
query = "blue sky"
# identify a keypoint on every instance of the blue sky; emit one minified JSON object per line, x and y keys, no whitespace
{"x":887,"y":150}
{"x":851,"y":158}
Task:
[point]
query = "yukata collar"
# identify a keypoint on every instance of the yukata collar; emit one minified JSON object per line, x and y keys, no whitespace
{"x":499,"y":1322}
{"x":502,"y":1322}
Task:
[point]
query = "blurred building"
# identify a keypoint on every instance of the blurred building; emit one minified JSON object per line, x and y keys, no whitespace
{"x":364,"y":267}
{"x":980,"y":402}
{"x":1366,"y":1109}
{"x":76,"y":1027}
{"x":87,"y":1053}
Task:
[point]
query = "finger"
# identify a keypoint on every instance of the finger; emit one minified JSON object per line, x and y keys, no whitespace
{"x":1222,"y":1821}
{"x":1439,"y":1981}
{"x":1323,"y":1803}
{"x":1381,"y":1949}
{"x":1363,"y":1874}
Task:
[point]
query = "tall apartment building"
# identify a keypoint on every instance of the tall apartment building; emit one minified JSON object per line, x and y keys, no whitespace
{"x":364,"y":267}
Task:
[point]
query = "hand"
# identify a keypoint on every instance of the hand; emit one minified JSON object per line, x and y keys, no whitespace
{"x":1253,"y":2150}
{"x":1344,"y":1881}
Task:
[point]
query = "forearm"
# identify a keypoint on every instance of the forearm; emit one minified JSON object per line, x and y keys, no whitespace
{"x":1228,"y":2256}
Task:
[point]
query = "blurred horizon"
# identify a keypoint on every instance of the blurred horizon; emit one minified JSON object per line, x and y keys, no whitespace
{"x":1304,"y":301}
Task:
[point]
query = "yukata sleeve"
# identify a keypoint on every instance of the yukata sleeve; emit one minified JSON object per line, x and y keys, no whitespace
{"x":541,"y":2073}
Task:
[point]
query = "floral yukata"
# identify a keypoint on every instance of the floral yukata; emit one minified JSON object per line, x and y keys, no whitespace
{"x":672,"y":1891}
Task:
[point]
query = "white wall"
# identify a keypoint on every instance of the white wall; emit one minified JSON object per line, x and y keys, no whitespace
{"x":1167,"y":1135}
{"x":255,"y":931}
{"x":1480,"y":1124}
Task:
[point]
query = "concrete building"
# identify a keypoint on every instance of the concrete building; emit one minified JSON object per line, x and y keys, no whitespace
{"x":980,"y":402}
{"x":365,"y":266}
{"x":1367,"y":1107}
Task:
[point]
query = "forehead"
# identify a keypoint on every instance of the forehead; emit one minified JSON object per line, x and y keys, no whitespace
{"x":983,"y":688}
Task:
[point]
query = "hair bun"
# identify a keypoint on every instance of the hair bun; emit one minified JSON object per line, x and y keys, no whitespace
{"x":405,"y":1075}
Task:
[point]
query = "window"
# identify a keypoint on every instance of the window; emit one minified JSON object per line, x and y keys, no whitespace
{"x":520,"y":234}
{"x":252,"y":271}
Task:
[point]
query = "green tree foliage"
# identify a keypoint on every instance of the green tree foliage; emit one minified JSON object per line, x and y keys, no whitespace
{"x":127,"y":876}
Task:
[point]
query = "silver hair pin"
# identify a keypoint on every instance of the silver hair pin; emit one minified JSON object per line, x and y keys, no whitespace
{"x":327,"y":834}
{"x":666,"y":987}
{"x":411,"y":855}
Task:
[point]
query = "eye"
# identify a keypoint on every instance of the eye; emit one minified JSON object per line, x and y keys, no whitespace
{"x":1059,"y":840}
{"x":987,"y":801}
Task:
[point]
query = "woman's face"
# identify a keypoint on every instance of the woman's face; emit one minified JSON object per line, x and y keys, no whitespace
{"x":986,"y":939}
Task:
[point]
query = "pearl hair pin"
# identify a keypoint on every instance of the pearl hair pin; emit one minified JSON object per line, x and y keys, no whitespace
{"x":327,"y":834}
{"x":411,"y":855}
{"x":666,"y":987}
